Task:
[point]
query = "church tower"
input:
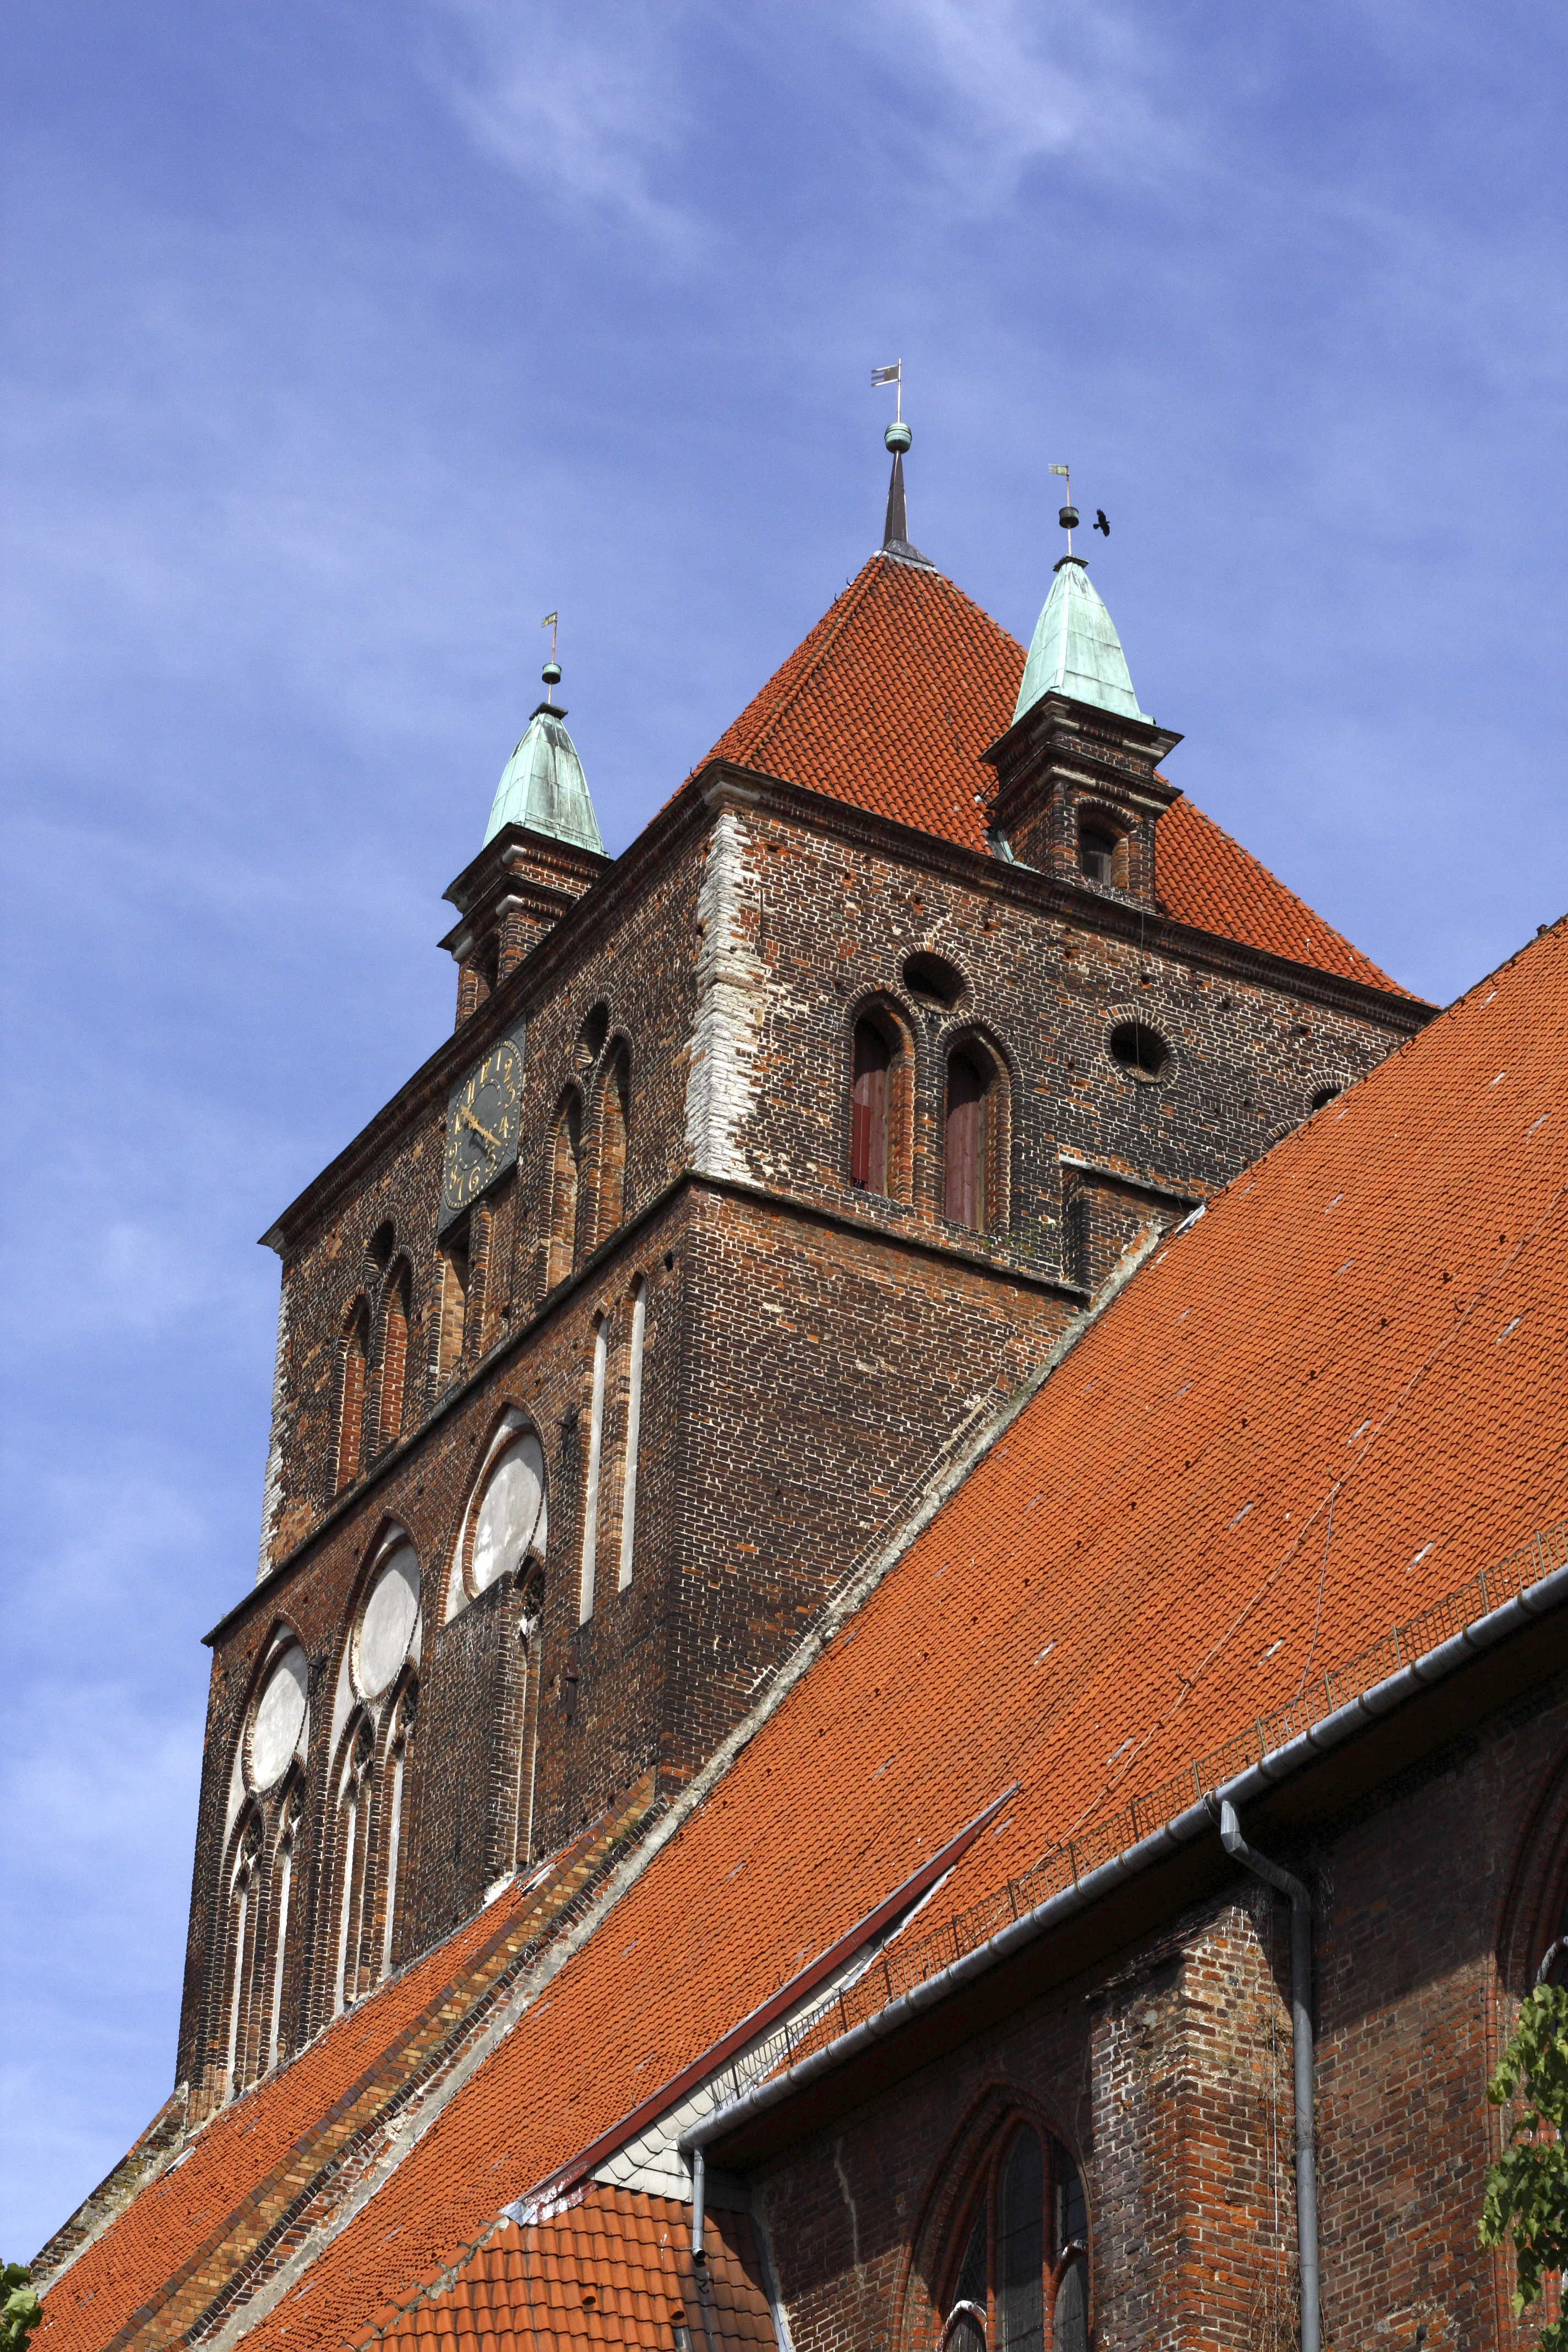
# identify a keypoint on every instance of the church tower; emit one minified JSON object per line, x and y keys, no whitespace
{"x":767,"y":1161}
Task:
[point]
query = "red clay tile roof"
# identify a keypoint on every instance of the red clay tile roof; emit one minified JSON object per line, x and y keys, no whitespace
{"x":889,"y":701}
{"x":613,"y":2268}
{"x":1312,"y":1414}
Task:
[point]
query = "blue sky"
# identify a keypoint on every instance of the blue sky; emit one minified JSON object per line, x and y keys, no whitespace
{"x":340,"y":343}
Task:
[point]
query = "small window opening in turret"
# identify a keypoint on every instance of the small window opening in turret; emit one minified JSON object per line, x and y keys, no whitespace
{"x":933,"y":981}
{"x":1139,"y":1050}
{"x":1098,"y":855}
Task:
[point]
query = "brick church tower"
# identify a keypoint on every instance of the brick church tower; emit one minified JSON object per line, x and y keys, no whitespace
{"x":765,"y":1162}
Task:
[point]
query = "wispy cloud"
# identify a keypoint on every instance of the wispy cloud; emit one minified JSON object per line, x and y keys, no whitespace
{"x":998,"y":87}
{"x":585,"y":102}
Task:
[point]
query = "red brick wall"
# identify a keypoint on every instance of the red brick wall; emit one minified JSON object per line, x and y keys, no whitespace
{"x":1167,"y":2073}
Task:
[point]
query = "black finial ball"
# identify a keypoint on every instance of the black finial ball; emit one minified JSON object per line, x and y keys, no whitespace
{"x":1068,"y":518}
{"x":551,"y":673}
{"x":898,"y":439}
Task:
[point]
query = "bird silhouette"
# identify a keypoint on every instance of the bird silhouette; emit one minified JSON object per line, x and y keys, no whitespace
{"x":1099,"y":522}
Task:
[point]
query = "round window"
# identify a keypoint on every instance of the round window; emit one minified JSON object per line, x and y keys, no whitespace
{"x":387,"y":1626}
{"x":279,"y":1718}
{"x":512,"y":1517}
{"x":1139,"y":1050}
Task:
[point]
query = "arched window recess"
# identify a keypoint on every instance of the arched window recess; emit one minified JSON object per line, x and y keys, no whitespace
{"x":392,"y":1389}
{"x":881,"y":1101}
{"x":612,"y":1136}
{"x":267,"y":1803}
{"x":563,"y":1173}
{"x":977,"y":1126}
{"x":352,"y":1371}
{"x":1104,"y":854}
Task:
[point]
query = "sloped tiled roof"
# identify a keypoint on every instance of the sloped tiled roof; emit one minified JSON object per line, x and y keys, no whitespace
{"x":612,"y":2268}
{"x":889,"y":703}
{"x":1319,"y":1409}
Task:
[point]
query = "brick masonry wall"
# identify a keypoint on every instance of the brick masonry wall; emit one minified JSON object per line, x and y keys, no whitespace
{"x":810,"y":1349}
{"x":1167,"y":2074}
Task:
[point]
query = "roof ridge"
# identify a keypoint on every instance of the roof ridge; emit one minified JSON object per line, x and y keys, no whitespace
{"x":1309,"y":912}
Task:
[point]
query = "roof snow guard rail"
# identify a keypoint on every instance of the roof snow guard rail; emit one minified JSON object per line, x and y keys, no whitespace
{"x":901,"y":1966}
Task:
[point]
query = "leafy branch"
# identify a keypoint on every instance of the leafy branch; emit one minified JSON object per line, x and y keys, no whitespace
{"x":20,"y":2310}
{"x":1526,"y":2189}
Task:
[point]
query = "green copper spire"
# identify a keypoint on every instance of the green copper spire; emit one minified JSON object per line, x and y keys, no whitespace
{"x":1075,"y":649}
{"x":543,"y":785}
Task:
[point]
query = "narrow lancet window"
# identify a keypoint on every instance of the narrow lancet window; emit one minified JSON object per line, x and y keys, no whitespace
{"x":634,"y":1432}
{"x":966,"y":1141}
{"x":351,"y":1402}
{"x":595,"y":1465}
{"x":869,"y":1109}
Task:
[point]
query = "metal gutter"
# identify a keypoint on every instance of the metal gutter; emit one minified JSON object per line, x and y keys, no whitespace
{"x":1197,"y":1821}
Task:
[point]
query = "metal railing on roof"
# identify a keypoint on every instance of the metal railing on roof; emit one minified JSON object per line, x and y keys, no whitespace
{"x":898,"y":1968}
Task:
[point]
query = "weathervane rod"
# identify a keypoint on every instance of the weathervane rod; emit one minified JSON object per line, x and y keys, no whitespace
{"x":551,"y":670}
{"x":895,"y":376}
{"x":1068,"y":515}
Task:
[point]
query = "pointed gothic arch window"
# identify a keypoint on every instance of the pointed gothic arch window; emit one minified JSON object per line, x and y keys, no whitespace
{"x":351,"y":1395}
{"x":1017,"y":2275}
{"x":355,"y":1793}
{"x":564,"y":1177}
{"x":394,"y":1356}
{"x":260,"y":1869}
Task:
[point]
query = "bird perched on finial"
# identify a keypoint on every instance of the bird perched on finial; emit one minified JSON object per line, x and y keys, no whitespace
{"x":1099,"y":522}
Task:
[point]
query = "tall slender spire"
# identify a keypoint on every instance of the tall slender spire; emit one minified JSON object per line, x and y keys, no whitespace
{"x":543,"y":785}
{"x":897,"y":439}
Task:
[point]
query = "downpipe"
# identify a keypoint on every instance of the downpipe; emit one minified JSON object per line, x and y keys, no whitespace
{"x":1300,"y":1903}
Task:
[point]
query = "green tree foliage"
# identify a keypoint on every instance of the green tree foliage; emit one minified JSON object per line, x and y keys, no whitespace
{"x":20,"y":2310}
{"x":1527,"y":2189}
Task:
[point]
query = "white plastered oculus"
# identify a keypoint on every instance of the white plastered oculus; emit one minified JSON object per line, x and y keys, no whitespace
{"x":386,"y":1629}
{"x":279,"y":1718}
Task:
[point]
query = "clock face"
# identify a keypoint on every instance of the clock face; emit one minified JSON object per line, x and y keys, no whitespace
{"x":481,"y":1126}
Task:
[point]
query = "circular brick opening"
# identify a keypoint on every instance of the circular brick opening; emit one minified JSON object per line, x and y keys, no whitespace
{"x":933,"y":981}
{"x":1324,"y":1097}
{"x":1139,"y":1050}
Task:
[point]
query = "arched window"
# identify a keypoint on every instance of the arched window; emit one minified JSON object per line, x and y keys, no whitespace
{"x":565,"y":1167}
{"x":370,"y":1783}
{"x":869,"y":1108}
{"x":1018,"y":2275}
{"x":880,"y":1106}
{"x":971,"y":1139}
{"x":262,"y":1873}
{"x":633,"y":1432}
{"x":615,"y":1122}
{"x":351,"y":1396}
{"x":394,"y":1358}
{"x":355,"y":1788}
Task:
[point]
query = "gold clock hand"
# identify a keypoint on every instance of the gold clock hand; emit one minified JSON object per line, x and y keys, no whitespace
{"x":470,"y":1121}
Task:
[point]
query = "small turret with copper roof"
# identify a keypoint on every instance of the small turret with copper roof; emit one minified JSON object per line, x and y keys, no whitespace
{"x":542,"y":849}
{"x":1077,"y":789}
